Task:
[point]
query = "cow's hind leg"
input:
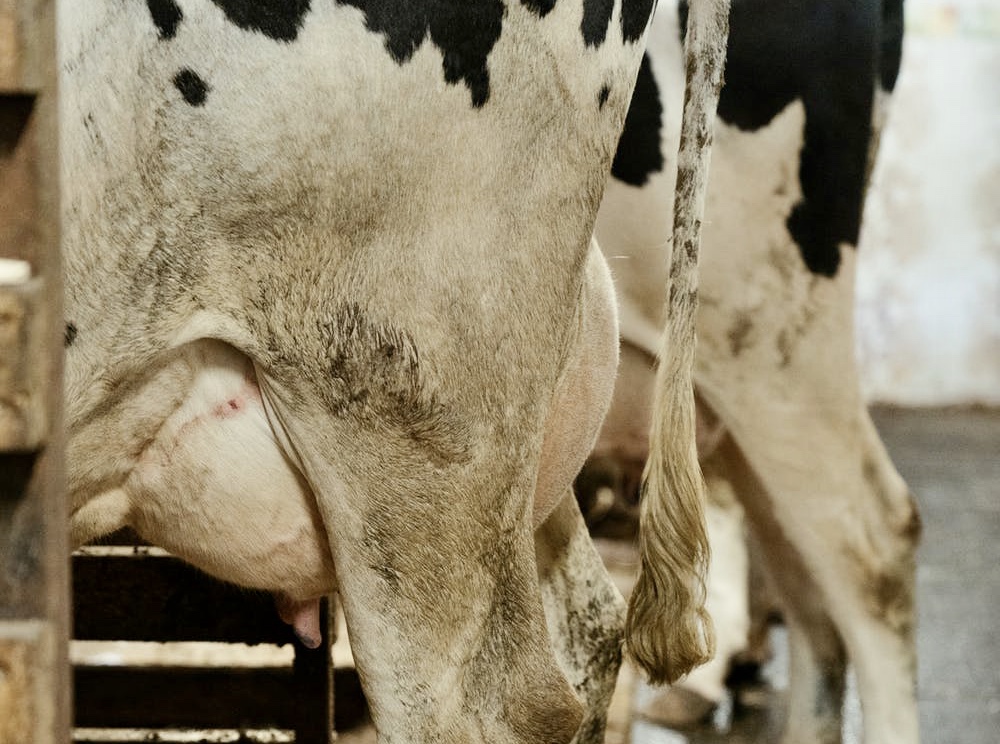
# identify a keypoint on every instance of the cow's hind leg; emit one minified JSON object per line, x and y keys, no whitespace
{"x":437,"y":579}
{"x":449,"y":634}
{"x":818,"y":665}
{"x":585,"y":613}
{"x":878,"y":623}
{"x":839,"y":538}
{"x":817,"y":672}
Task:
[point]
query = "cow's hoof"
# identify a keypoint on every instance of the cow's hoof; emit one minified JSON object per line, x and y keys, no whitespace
{"x":676,"y":708}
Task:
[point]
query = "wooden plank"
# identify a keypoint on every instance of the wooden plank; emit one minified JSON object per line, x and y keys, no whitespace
{"x":25,"y":652}
{"x":184,"y":697}
{"x":149,"y":596}
{"x":10,"y":46}
{"x":34,"y":576}
{"x":24,"y":48}
{"x":23,"y":419}
{"x":245,"y":697}
{"x":181,"y":736}
{"x":160,"y":598}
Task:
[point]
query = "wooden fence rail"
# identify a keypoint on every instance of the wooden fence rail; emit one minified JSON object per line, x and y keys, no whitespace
{"x":34,"y":592}
{"x":143,"y":594}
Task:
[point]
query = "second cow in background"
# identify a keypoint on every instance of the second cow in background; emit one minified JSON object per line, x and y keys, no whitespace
{"x":783,"y":426}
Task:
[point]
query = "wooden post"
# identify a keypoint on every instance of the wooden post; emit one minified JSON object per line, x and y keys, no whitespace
{"x":34,"y":592}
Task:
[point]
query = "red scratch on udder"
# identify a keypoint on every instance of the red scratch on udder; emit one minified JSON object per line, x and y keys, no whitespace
{"x":230,"y":408}
{"x":249,"y":394}
{"x":160,"y":452}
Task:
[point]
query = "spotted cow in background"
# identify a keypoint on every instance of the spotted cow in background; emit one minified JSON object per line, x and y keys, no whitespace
{"x":784,"y":431}
{"x":335,"y":318}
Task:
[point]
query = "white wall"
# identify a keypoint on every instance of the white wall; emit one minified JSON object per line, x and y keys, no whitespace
{"x":929,"y":264}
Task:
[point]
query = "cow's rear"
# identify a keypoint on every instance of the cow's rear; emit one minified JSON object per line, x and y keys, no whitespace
{"x":331,"y":274}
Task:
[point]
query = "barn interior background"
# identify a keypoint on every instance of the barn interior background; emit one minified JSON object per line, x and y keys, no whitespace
{"x":929,"y":264}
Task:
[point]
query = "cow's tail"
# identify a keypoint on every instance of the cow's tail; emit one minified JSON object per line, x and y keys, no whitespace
{"x":668,"y":630}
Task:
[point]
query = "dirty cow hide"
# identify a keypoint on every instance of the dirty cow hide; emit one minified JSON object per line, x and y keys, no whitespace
{"x":335,"y":318}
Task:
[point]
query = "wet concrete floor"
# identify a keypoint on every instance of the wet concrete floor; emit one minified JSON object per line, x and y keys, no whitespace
{"x":951,"y":460}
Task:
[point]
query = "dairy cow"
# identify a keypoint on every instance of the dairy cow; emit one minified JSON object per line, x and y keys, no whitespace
{"x":784,"y":431}
{"x":335,"y":318}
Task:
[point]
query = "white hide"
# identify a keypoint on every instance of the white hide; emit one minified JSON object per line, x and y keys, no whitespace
{"x":331,"y":313}
{"x":775,"y":365}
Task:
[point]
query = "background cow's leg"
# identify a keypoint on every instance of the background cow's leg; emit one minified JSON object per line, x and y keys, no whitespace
{"x":863,"y":565}
{"x":877,"y":622}
{"x":817,"y":673}
{"x":763,"y":610}
{"x":839,"y":536}
{"x":584,"y":610}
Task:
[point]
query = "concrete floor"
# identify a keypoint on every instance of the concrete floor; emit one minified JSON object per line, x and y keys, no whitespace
{"x":951,"y":460}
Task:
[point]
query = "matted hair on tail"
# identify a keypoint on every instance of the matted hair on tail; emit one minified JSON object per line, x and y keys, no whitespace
{"x":668,"y":632}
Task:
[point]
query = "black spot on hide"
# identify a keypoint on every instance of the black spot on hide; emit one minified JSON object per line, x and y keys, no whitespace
{"x":892,"y":42}
{"x":638,"y":155}
{"x":280,"y":20}
{"x":828,"y":54}
{"x":602,"y":96}
{"x":597,"y":18}
{"x":166,"y":16}
{"x":192,"y":87}
{"x":464,"y":32}
{"x":69,"y":335}
{"x":820,"y":251}
{"x":540,"y":7}
{"x":635,"y":18}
